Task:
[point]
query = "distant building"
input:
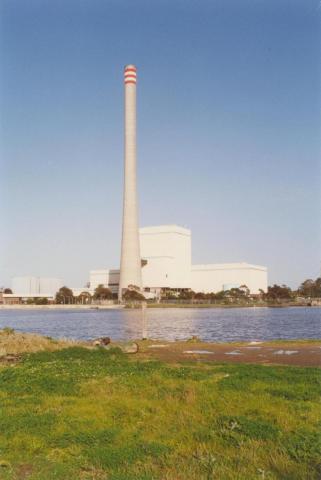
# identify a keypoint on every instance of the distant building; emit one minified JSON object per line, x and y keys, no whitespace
{"x":34,"y":287}
{"x":224,"y":276}
{"x":166,"y":253}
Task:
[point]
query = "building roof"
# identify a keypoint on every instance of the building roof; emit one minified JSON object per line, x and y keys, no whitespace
{"x":164,"y":229}
{"x":229,"y":266}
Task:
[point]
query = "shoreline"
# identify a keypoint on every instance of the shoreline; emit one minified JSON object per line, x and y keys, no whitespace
{"x":295,"y":352}
{"x":152,"y":306}
{"x":61,"y":307}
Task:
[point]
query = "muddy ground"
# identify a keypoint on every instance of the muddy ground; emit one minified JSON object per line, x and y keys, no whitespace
{"x":300,"y":353}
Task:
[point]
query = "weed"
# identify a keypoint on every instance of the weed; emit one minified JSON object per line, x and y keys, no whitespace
{"x":7,"y":331}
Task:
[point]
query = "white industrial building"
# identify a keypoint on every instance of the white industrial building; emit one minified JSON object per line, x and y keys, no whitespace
{"x":166,"y":253}
{"x":224,"y":276}
{"x":28,"y":287}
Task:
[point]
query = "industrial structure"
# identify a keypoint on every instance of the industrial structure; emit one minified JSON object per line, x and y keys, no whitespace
{"x":166,"y":253}
{"x":25,"y":288}
{"x":130,"y":263}
{"x":159,"y":258}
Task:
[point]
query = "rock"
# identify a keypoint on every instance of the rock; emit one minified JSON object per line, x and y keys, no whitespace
{"x":129,"y":347}
{"x":193,"y":339}
{"x":125,"y":347}
{"x":101,"y":342}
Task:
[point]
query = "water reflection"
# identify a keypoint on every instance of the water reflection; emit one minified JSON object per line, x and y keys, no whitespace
{"x":171,"y":324}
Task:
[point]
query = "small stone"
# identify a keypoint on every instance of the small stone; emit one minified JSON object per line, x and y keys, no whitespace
{"x":101,"y":342}
{"x":131,"y":347}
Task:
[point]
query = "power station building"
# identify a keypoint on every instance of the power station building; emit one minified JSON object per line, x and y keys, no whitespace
{"x":160,"y":258}
{"x":166,"y":258}
{"x":28,"y":287}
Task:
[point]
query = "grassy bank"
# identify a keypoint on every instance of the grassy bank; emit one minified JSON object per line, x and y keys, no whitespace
{"x":94,"y":414}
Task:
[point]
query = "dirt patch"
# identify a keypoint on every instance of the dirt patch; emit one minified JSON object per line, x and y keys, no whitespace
{"x":10,"y":359}
{"x":299,"y":354}
{"x":24,"y":471}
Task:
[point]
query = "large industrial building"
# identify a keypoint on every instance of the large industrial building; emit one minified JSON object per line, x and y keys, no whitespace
{"x":36,"y":286}
{"x":28,"y":287}
{"x":166,"y":253}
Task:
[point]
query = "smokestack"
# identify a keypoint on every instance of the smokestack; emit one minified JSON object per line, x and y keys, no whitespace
{"x":130,"y":262}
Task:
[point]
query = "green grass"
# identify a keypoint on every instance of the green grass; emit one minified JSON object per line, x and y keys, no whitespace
{"x":97,"y":414}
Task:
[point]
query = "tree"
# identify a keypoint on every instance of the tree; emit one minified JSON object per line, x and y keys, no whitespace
{"x":317,"y":287}
{"x":64,"y":295}
{"x":236,"y":293}
{"x":132,"y":295}
{"x":245,"y":289}
{"x":200,"y":296}
{"x":310,"y":288}
{"x":7,"y":290}
{"x":102,"y":293}
{"x":169,"y":294}
{"x":186,"y":295}
{"x":41,"y":301}
{"x":220,"y":295}
{"x":84,"y":297}
{"x":278,"y":292}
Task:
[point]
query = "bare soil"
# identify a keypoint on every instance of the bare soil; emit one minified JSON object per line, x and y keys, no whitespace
{"x":275,"y":353}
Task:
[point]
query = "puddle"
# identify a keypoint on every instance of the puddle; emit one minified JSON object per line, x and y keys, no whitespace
{"x":157,"y":346}
{"x":200,"y":352}
{"x":285,"y":352}
{"x":235,"y":352}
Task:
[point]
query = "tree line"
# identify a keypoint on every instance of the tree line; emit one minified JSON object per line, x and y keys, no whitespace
{"x":65,"y":295}
{"x":308,"y":289}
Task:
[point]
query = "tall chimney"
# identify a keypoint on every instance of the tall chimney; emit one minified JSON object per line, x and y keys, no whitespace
{"x":130,"y":262}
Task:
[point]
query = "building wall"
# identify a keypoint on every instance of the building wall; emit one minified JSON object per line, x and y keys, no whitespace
{"x":107,"y":278}
{"x":98,"y":277}
{"x":25,"y":285}
{"x":217,"y":277}
{"x":49,"y":285}
{"x":36,"y":286}
{"x":167,"y":250}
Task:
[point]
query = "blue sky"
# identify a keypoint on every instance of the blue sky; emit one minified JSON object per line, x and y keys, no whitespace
{"x":228,"y":131}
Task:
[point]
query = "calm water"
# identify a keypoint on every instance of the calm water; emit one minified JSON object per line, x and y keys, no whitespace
{"x":173,"y":323}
